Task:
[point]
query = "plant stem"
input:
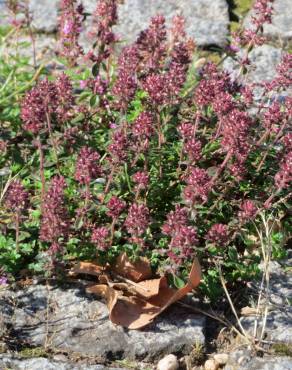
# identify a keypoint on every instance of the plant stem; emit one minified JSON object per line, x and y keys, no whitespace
{"x":17,"y":219}
{"x":42,"y":174}
{"x":52,"y":139}
{"x":270,"y":146}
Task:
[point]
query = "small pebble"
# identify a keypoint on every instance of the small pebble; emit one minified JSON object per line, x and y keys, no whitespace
{"x":211,"y":365}
{"x":221,"y":358}
{"x":168,"y":362}
{"x":243,"y":360}
{"x":60,"y":358}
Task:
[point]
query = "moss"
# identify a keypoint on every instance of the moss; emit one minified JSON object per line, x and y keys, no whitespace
{"x":283,"y":349}
{"x":212,"y":56}
{"x":33,"y":352}
{"x":127,"y":364}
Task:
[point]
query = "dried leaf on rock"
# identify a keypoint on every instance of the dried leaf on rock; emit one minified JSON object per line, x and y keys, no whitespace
{"x":136,"y":271}
{"x":134,"y":304}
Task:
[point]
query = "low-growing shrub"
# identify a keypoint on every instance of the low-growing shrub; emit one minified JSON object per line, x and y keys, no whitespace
{"x":152,"y":153}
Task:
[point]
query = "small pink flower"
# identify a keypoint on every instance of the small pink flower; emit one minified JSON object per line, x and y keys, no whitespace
{"x":99,"y":237}
{"x":141,"y":178}
{"x":68,"y":27}
{"x":137,"y":220}
{"x":87,"y":166}
{"x":218,"y":234}
{"x":115,"y":207}
{"x":248,"y":210}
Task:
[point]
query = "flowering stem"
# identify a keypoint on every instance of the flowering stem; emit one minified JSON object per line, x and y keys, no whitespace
{"x":112,"y":231}
{"x":160,"y":141}
{"x":220,"y":169}
{"x":109,"y":181}
{"x":42,"y":175}
{"x":52,"y":139}
{"x":17,"y":217}
{"x":270,"y":146}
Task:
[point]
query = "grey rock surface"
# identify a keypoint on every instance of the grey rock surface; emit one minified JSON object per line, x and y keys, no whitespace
{"x":206,"y":20}
{"x":68,"y":319}
{"x":264,"y":60}
{"x":45,"y":14}
{"x":40,"y":363}
{"x":281,"y":26}
{"x":278,"y":326}
{"x":242,"y":360}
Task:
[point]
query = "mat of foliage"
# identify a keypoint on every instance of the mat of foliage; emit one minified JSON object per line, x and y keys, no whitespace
{"x":152,"y":153}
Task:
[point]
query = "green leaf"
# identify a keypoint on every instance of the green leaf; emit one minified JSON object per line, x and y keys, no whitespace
{"x":95,"y":69}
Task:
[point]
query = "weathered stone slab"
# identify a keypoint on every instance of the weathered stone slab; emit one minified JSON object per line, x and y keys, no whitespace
{"x":278,"y":326}
{"x":68,"y":319}
{"x":45,"y":14}
{"x":206,"y":20}
{"x":264,"y":60}
{"x":40,"y":363}
{"x":281,"y":26}
{"x":243,"y":360}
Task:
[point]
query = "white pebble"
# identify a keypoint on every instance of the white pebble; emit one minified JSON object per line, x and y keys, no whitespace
{"x":221,"y":358}
{"x":211,"y":365}
{"x":168,"y":362}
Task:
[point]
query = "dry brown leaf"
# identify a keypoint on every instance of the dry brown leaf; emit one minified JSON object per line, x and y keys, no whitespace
{"x":136,"y":271}
{"x":88,"y":268}
{"x":135,"y":305}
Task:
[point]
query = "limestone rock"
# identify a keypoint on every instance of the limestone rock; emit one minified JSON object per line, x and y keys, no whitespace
{"x":281,"y":26}
{"x":261,"y":363}
{"x":9,"y":362}
{"x":68,"y":319}
{"x":206,"y":20}
{"x":264,"y":60}
{"x":45,"y":14}
{"x":221,"y":358}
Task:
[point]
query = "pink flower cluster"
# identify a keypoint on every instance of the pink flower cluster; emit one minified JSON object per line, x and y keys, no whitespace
{"x":70,"y":26}
{"x":47,"y":101}
{"x":218,"y":234}
{"x":213,"y":88}
{"x":16,"y":198}
{"x":118,"y":146}
{"x":262,"y":13}
{"x":126,"y":83}
{"x":143,"y":126}
{"x":151,"y":44}
{"x":141,"y":178}
{"x":55,"y":222}
{"x":100,"y":238}
{"x":40,"y":101}
{"x":248,"y":210}
{"x":283,"y":177}
{"x":263,"y":10}
{"x":198,"y":186}
{"x":137,"y":221}
{"x":115,"y":207}
{"x":87,"y":166}
{"x":104,"y":18}
{"x":183,"y":237}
